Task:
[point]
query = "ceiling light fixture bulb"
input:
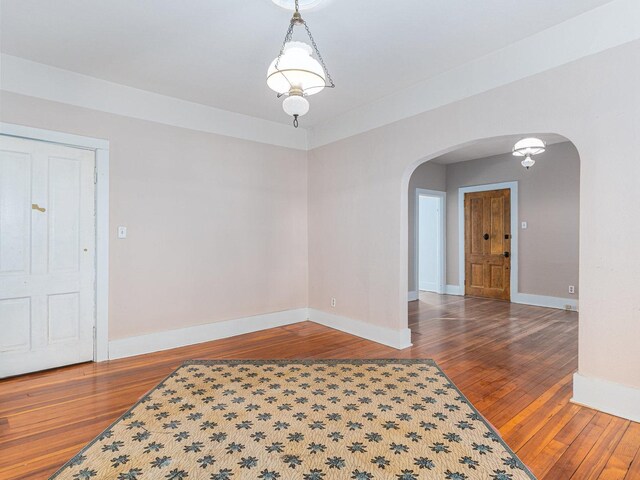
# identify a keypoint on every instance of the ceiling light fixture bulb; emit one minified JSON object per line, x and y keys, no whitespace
{"x":528,"y":162}
{"x":296,"y":106}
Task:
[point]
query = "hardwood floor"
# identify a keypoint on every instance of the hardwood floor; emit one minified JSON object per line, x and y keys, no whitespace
{"x":514,"y":362}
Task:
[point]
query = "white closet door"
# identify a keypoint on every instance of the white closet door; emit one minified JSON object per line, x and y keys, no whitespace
{"x":47,"y":255}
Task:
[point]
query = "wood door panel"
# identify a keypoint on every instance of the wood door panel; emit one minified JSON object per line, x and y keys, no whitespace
{"x":496,"y":226}
{"x":477,"y":227}
{"x":477,"y":275}
{"x":496,"y":277}
{"x":487,"y":238}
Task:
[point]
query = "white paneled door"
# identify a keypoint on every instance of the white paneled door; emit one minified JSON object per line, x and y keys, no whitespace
{"x":47,"y":255}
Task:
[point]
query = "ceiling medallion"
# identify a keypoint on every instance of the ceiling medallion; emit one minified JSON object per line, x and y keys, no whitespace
{"x":303,"y":5}
{"x":295,"y":73}
{"x":527,"y":148}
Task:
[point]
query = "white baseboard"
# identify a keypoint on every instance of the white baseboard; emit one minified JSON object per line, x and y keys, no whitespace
{"x":526,"y":299}
{"x":398,"y":339}
{"x":428,"y":287}
{"x":154,"y":342}
{"x":544,"y":301}
{"x":619,"y":400}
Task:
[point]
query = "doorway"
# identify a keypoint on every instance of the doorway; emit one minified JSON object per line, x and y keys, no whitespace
{"x":430,"y":240}
{"x":47,"y":255}
{"x":496,"y":271}
{"x":543,"y":203}
{"x":487,"y":239}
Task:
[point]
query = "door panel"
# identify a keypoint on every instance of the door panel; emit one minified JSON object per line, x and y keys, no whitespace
{"x":477,"y":226}
{"x":64,"y":219}
{"x":15,"y":212}
{"x":477,"y":275}
{"x":487,"y":238}
{"x":64,"y":317}
{"x":15,"y":322}
{"x":47,"y":255}
{"x":495,"y":276}
{"x":496,"y":226}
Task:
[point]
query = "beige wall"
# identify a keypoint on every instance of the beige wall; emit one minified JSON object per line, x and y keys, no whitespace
{"x":239,"y":246}
{"x":549,"y":201}
{"x":358,"y":188}
{"x":217,"y":227}
{"x":430,"y":176}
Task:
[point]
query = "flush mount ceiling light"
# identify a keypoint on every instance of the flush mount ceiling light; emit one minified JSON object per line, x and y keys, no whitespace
{"x":527,"y":148}
{"x":295,"y":73}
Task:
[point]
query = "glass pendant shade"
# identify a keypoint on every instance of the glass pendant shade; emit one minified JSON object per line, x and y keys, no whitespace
{"x":528,"y":162}
{"x":296,"y":70}
{"x":295,"y":105}
{"x":528,"y":147}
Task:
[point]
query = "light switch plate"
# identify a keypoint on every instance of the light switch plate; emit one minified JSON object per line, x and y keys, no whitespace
{"x":524,"y":225}
{"x":122,"y":232}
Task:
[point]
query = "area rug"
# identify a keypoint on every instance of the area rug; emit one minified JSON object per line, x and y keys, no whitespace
{"x":307,"y":420}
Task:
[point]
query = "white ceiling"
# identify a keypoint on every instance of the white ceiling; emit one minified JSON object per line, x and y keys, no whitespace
{"x":216,"y":52}
{"x":489,"y":147}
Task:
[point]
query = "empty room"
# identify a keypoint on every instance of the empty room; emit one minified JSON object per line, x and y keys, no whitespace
{"x":319,"y":239}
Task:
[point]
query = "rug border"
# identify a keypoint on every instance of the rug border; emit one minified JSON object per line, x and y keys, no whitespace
{"x":113,"y":424}
{"x":331,"y":361}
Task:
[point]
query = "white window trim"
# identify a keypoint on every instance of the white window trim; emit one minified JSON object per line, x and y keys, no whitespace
{"x":101,"y":149}
{"x":442,"y":267}
{"x":513,"y":186}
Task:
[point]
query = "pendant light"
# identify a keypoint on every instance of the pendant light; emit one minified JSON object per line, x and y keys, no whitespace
{"x":527,"y":148}
{"x":295,"y":73}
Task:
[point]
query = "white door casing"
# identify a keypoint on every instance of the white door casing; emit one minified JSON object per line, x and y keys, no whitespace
{"x":47,"y":255}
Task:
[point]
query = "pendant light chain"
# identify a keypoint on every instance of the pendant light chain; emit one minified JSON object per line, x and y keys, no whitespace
{"x":287,"y":39}
{"x":315,"y":47}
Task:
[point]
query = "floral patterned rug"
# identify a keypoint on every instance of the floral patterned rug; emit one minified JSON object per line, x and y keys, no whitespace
{"x":307,"y":420}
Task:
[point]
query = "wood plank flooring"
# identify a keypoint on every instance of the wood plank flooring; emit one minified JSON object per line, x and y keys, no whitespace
{"x":514,"y":362}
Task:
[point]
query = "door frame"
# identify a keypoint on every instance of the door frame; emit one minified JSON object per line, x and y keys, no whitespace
{"x":513,"y":186}
{"x":442,"y":196}
{"x":101,"y":149}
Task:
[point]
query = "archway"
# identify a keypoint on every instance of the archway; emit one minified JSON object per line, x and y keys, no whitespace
{"x":544,"y":273}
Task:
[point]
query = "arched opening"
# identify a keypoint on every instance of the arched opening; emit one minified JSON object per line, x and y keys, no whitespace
{"x":483,"y":232}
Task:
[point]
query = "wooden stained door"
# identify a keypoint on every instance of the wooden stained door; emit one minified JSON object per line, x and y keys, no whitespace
{"x":487,"y":231}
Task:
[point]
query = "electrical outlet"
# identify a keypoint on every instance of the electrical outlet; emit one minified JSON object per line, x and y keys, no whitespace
{"x":333,"y":302}
{"x":572,"y":289}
